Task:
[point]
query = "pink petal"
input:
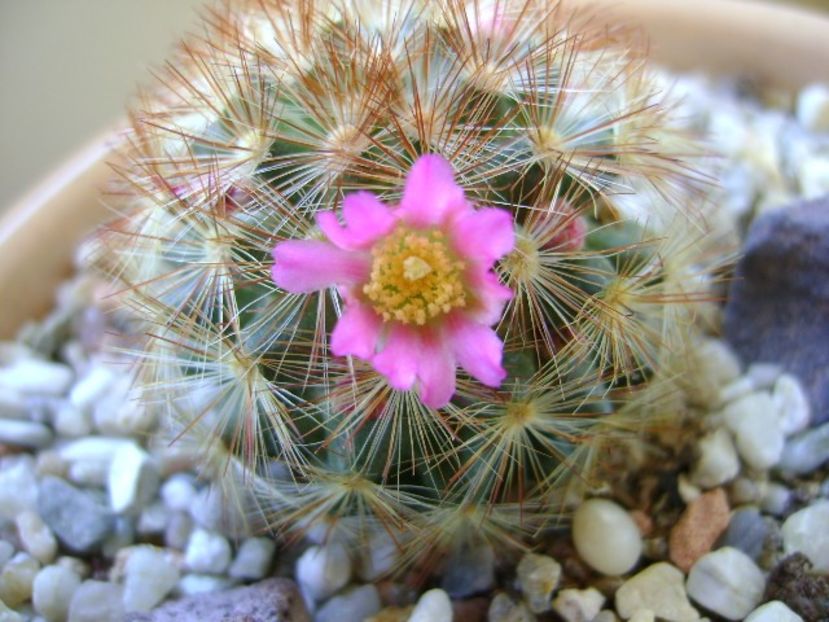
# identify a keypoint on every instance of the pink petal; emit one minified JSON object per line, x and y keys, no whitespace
{"x":436,"y":372}
{"x":399,"y":358}
{"x":366,"y":219}
{"x":478,"y":350}
{"x":491,"y":294}
{"x":356,"y":332}
{"x":431,"y":194}
{"x":304,"y":266}
{"x":484,"y":235}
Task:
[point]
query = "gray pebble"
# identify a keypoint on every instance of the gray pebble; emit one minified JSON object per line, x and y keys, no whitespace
{"x":747,"y":531}
{"x":79,"y":518}
{"x":469,"y":570}
{"x":807,"y":451}
{"x":12,"y":405}
{"x":352,"y":605}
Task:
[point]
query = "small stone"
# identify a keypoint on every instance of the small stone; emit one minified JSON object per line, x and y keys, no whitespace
{"x":91,"y":387}
{"x":469,"y":569}
{"x":323,"y":570}
{"x":18,"y":485}
{"x":120,"y":411}
{"x":153,"y":519}
{"x":12,"y":405}
{"x":578,"y":605}
{"x":793,"y":582}
{"x":36,"y":377}
{"x":606,"y":615}
{"x":688,"y":492}
{"x":178,"y":492}
{"x":775,"y":611}
{"x":659,"y":588}
{"x":16,"y":579}
{"x":207,"y":552}
{"x":253,"y":559}
{"x":643,"y":615}
{"x":717,"y":462}
{"x":177,"y":533}
{"x":211,"y":510}
{"x":37,"y":539}
{"x":352,"y":605}
{"x":76,"y":565}
{"x":807,"y":451}
{"x":727,"y":582}
{"x":78,"y":518}
{"x":806,"y":532}
{"x":792,"y":404}
{"x":747,"y":531}
{"x":504,"y":609}
{"x":698,"y":528}
{"x":433,"y":606}
{"x":756,"y":426}
{"x":786,"y":252}
{"x":24,"y":434}
{"x":97,"y":601}
{"x":52,"y":591}
{"x":6,"y":552}
{"x":122,"y":536}
{"x":191,"y":584}
{"x":149,"y":576}
{"x":69,"y":421}
{"x":813,"y":107}
{"x":743,"y":491}
{"x":133,"y":479}
{"x":813,"y":176}
{"x":776,"y":499}
{"x":274,"y":600}
{"x":606,"y":537}
{"x":538,"y":577}
{"x":378,"y":557}
{"x":9,"y":615}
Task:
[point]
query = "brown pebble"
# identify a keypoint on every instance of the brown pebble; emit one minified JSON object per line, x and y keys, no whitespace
{"x":472,"y":609}
{"x":643,"y":522}
{"x":696,"y":531}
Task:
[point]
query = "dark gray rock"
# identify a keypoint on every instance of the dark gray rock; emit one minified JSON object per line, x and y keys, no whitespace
{"x":79,"y":518}
{"x":274,"y":600}
{"x":778,"y":305}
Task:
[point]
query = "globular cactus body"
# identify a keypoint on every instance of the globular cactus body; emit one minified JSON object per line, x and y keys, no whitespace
{"x":447,"y":362}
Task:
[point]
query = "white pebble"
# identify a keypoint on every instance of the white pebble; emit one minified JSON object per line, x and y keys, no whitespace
{"x":149,"y":575}
{"x":791,"y":404}
{"x":97,"y":601}
{"x":16,"y":579}
{"x":191,"y":584}
{"x":432,"y":606}
{"x":763,"y":375}
{"x":70,"y":421}
{"x":24,"y":433}
{"x":776,"y":499}
{"x":659,"y":588}
{"x":132,"y":480}
{"x":806,"y":531}
{"x":606,"y":537}
{"x":756,"y":426}
{"x":9,"y":615}
{"x":717,"y":462}
{"x":178,"y":492}
{"x":207,"y":552}
{"x":153,"y":519}
{"x":727,"y":582}
{"x":89,"y":389}
{"x":714,"y":365}
{"x":378,"y":557}
{"x":36,"y":377}
{"x":813,"y":176}
{"x":121,"y":410}
{"x":578,"y":605}
{"x":773,"y":611}
{"x":52,"y":592}
{"x":12,"y":405}
{"x":355,"y":604}
{"x":643,"y":615}
{"x":538,"y":577}
{"x":322,"y":570}
{"x":99,"y":448}
{"x":253,"y":559}
{"x":36,"y":537}
{"x":18,"y":485}
{"x":813,"y":107}
{"x":6,"y":552}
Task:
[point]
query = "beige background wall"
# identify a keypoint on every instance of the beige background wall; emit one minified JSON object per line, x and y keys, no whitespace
{"x":67,"y":69}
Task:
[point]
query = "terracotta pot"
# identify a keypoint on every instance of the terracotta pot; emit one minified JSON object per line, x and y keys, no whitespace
{"x":781,"y":45}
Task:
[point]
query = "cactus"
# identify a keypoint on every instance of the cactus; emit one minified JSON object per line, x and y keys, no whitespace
{"x":484,"y":156}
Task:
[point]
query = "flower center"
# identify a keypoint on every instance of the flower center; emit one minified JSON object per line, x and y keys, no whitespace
{"x":415,"y":277}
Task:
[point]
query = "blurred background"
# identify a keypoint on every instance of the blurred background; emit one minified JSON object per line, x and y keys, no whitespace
{"x":68,"y":68}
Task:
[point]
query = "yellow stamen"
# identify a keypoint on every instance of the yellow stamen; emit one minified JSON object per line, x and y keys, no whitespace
{"x":415,"y":277}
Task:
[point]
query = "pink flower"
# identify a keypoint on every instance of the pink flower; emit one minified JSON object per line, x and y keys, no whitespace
{"x":420,"y":294}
